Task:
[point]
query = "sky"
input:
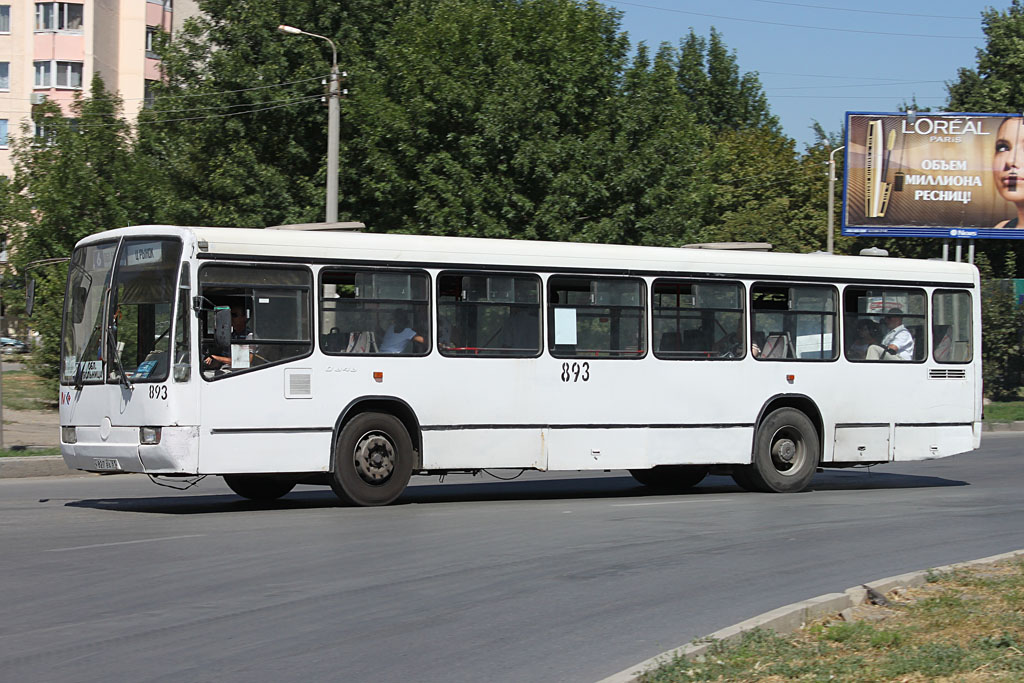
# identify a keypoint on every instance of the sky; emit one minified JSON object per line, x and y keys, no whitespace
{"x":818,"y":59}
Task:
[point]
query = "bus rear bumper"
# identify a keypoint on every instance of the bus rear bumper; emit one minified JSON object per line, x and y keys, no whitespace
{"x":177,"y":452}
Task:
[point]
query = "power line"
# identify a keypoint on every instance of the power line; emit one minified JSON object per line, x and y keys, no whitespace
{"x":199,"y":94}
{"x":862,"y":11}
{"x":779,"y":23}
{"x":848,"y":85}
{"x":287,"y":103}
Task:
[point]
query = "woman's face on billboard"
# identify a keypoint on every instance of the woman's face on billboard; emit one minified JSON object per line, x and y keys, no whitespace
{"x":1008,"y":161}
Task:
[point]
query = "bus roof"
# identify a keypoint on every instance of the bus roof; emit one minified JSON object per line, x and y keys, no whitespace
{"x":454,"y":252}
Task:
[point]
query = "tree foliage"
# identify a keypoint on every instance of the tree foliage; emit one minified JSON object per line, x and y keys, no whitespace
{"x":77,"y":178}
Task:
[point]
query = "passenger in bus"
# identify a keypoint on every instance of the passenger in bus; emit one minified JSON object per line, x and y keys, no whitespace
{"x":756,"y":344}
{"x":898,"y":343}
{"x":239,"y":330}
{"x":866,"y":337}
{"x":399,"y":334}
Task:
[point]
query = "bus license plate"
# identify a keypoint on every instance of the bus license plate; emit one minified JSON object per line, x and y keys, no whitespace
{"x":106,"y":464}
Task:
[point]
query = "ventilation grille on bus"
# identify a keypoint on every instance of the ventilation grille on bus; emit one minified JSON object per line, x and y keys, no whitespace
{"x":298,"y":383}
{"x":948,"y":373}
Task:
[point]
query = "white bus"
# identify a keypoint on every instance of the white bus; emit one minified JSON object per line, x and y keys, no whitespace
{"x":356,"y":360}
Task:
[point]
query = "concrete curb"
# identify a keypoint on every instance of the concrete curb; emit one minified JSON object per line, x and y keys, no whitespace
{"x":792,"y":617}
{"x":1016,"y":426}
{"x":35,"y":466}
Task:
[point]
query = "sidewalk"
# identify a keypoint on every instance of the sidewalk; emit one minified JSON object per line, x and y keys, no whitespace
{"x":32,"y":428}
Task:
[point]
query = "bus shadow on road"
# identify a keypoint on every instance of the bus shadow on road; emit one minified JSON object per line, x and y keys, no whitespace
{"x":574,"y":488}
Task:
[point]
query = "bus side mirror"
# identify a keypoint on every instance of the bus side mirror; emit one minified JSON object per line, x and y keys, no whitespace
{"x":30,"y":296}
{"x":222,"y":328}
{"x":78,"y":298}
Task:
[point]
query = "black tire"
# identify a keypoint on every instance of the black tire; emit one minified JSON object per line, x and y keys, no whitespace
{"x":372,"y":460}
{"x":258,"y":487}
{"x":786,"y":452}
{"x":671,"y":477}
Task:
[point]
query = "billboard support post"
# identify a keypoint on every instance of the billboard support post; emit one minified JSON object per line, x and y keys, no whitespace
{"x":832,"y":198}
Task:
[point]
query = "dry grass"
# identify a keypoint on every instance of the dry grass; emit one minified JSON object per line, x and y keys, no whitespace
{"x":964,"y":626}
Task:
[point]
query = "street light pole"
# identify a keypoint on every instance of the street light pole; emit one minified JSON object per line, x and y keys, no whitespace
{"x":832,"y":196}
{"x":333,"y":123}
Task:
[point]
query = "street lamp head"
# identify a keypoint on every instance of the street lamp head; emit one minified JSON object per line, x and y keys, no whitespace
{"x":284,"y":28}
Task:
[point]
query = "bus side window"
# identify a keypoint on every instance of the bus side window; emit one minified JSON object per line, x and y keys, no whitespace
{"x":885,"y":324}
{"x":951,"y":326}
{"x":596,"y":317}
{"x":799,"y":322}
{"x":270,"y":316}
{"x":359,"y":310}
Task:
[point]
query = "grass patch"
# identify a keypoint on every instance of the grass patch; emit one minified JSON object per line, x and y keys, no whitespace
{"x":1004,"y":411}
{"x":25,"y":391}
{"x":965,"y":625}
{"x":27,"y":452}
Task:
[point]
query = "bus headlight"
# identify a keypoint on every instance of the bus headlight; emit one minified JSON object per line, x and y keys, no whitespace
{"x":149,"y":435}
{"x":68,"y":435}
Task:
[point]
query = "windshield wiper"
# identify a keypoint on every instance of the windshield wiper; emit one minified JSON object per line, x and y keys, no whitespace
{"x":116,"y":359}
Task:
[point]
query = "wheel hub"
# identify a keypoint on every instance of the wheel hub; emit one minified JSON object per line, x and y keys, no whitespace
{"x":374,"y":458}
{"x":784,"y":450}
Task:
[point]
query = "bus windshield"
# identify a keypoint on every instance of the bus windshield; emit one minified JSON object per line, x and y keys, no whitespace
{"x":140,"y":311}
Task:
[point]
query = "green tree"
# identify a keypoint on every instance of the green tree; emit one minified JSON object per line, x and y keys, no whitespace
{"x":79,"y":176}
{"x":1002,"y":322}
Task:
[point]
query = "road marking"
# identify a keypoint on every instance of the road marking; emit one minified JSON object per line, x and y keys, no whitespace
{"x":107,"y":545}
{"x":662,"y":502}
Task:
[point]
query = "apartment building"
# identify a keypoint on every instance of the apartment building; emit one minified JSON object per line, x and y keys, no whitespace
{"x":52,"y":49}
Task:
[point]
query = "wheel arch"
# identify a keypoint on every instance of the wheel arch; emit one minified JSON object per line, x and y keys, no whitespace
{"x":801,"y":402}
{"x":382,"y":404}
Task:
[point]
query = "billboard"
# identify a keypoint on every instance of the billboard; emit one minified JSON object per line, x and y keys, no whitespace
{"x":934,"y":175}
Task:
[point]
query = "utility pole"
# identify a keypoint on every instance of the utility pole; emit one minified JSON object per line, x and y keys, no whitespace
{"x":333,"y":122}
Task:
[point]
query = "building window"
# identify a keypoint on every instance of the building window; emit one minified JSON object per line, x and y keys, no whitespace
{"x":150,"y":38}
{"x":5,"y":75}
{"x":55,"y":74}
{"x":44,"y":74}
{"x":3,"y":133}
{"x":148,"y":96}
{"x":59,"y":16}
{"x":5,"y":18}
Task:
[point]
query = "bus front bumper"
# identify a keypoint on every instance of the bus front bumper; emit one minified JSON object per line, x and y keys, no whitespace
{"x":121,"y":451}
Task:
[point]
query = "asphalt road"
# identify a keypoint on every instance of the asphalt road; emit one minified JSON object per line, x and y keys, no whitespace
{"x":546,"y":578}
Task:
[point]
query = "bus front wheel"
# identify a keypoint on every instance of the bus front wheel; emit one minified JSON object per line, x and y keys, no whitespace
{"x":372,"y":460}
{"x":671,"y":477}
{"x":786,"y":449}
{"x":255,"y":487}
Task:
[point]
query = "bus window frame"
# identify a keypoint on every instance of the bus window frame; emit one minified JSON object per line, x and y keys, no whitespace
{"x":925,"y":318}
{"x":541,"y":336}
{"x":549,"y":314}
{"x":359,"y":268}
{"x":200,"y":287}
{"x":836,"y":328}
{"x":931,"y":325}
{"x":743,"y":343}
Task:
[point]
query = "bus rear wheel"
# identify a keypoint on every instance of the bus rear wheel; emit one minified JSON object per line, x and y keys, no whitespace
{"x":372,"y":460}
{"x":256,"y":487}
{"x":786,"y":449}
{"x":671,"y":477}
